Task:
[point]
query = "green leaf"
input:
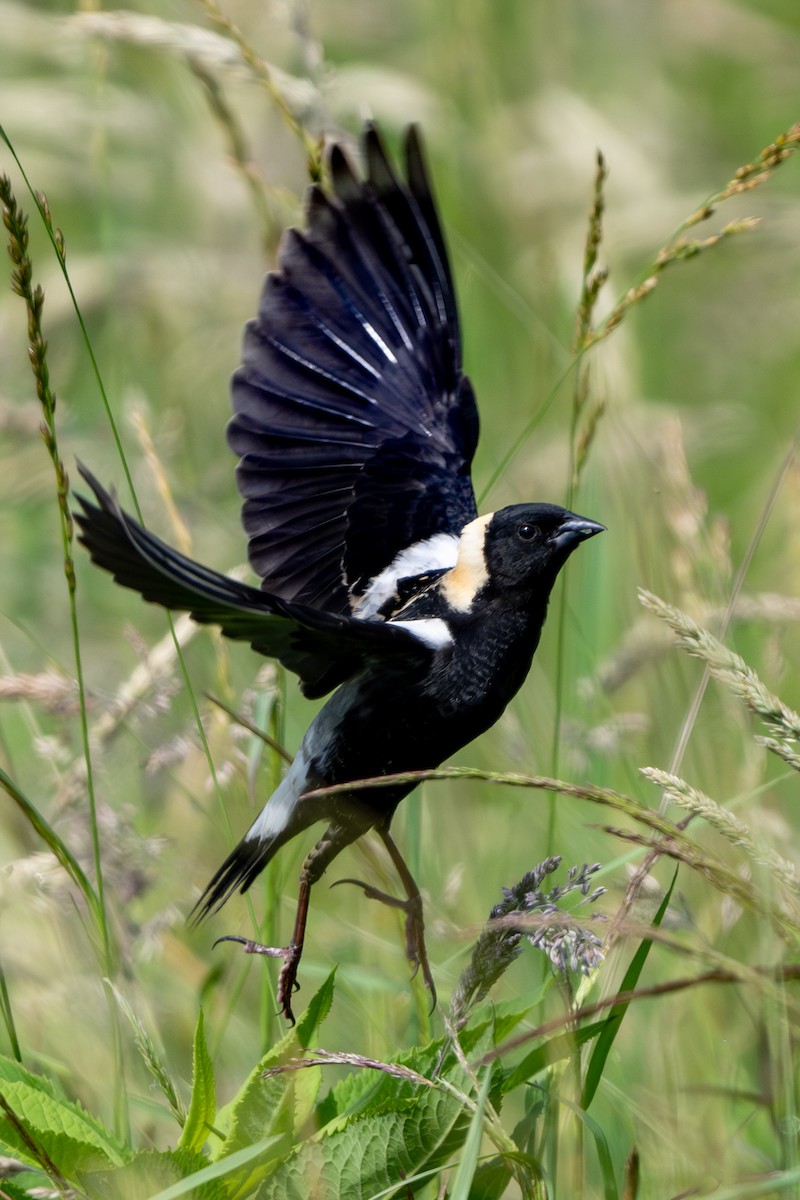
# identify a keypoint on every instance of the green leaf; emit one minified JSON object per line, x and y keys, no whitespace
{"x":213,"y":1171}
{"x":256,"y":1112}
{"x":11,"y":1191}
{"x":594,"y":1071}
{"x":272,"y":1107}
{"x":318,"y":1009}
{"x":369,"y":1091}
{"x":385,"y":1131}
{"x":371,"y":1153}
{"x":253,"y":1112}
{"x":59,"y":1128}
{"x":154,"y":1173}
{"x":203,"y":1104}
{"x":491,"y":1180}
{"x":307,"y":1084}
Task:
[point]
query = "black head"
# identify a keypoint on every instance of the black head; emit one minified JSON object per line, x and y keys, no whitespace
{"x":519,"y":548}
{"x":526,"y":545}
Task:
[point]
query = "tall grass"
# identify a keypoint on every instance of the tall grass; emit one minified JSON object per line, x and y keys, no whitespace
{"x":172,"y":154}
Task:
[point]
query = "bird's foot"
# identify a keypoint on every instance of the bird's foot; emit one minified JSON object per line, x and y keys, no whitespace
{"x":287,"y":979}
{"x":416,"y":952}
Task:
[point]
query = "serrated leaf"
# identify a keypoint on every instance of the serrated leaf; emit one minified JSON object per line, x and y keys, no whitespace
{"x":213,"y":1171}
{"x":369,"y":1091}
{"x":62,"y":1128}
{"x":370,"y":1153}
{"x":268,"y":1107}
{"x":352,"y":1094}
{"x":307,"y":1084}
{"x":251,"y":1115}
{"x":150,"y":1173}
{"x":203,"y":1103}
{"x":396,"y":1130}
{"x":12,"y":1071}
{"x":318,"y":1009}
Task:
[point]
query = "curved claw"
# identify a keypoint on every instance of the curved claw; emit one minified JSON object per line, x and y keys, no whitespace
{"x":415,"y":948}
{"x":251,"y":947}
{"x":358,"y":882}
{"x":373,"y":893}
{"x":287,"y":979}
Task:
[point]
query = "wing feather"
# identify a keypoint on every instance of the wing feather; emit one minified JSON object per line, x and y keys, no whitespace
{"x":322,"y":648}
{"x":351,"y":387}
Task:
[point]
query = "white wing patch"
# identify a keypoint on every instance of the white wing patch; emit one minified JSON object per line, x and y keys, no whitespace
{"x":434,"y":554}
{"x":432,"y":631}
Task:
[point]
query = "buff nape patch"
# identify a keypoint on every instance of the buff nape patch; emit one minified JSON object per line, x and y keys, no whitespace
{"x":471,"y":572}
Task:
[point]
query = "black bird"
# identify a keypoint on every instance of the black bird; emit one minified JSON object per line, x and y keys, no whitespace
{"x":356,"y":427}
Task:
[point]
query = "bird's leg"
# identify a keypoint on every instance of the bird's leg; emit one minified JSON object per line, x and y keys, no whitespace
{"x":411,"y":906}
{"x":314,"y":866}
{"x":415,"y":925}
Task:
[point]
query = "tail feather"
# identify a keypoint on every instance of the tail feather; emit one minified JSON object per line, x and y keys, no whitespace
{"x":244,"y":863}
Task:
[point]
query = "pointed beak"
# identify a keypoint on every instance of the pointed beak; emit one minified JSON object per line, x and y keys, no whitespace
{"x":574,"y":529}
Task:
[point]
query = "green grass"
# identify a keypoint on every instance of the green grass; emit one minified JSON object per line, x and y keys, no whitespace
{"x":172,"y":182}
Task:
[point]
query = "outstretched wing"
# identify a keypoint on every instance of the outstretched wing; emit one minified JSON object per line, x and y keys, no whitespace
{"x":354,"y":422}
{"x":323,"y":649}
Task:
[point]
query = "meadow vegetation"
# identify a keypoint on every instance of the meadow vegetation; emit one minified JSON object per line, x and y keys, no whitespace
{"x":623,"y":210}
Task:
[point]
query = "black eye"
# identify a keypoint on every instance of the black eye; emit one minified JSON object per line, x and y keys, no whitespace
{"x":528,"y":532}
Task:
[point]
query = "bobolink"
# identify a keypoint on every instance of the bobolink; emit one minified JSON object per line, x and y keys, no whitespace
{"x":355,"y":428}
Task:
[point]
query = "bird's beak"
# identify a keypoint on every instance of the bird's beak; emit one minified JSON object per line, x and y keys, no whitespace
{"x":574,"y":529}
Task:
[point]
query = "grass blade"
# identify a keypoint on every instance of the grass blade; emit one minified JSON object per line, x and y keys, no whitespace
{"x":52,"y":840}
{"x":605,"y":1041}
{"x":462,"y":1184}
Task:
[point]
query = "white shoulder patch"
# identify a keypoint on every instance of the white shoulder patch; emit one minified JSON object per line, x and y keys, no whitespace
{"x":432,"y":631}
{"x":434,"y":554}
{"x":470,"y":572}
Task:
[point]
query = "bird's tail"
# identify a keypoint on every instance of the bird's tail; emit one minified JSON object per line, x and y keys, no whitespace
{"x":244,"y":863}
{"x":281,"y":819}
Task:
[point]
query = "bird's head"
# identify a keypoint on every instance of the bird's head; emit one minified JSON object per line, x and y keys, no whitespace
{"x":519,"y":548}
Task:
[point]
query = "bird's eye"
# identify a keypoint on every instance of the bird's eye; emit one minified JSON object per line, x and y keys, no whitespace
{"x":528,"y":532}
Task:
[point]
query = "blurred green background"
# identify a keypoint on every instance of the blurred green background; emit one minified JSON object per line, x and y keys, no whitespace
{"x":118,"y":121}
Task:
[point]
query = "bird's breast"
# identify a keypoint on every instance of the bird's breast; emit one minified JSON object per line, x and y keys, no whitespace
{"x":485,"y":667}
